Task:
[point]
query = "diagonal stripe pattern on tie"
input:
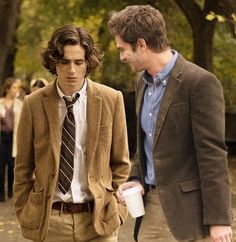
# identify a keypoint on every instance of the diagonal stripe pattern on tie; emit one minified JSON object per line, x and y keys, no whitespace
{"x":67,"y":147}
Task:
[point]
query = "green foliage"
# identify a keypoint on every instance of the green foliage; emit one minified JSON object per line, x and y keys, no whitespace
{"x":178,"y":28}
{"x":211,"y":16}
{"x":224,"y":64}
{"x":39,"y":18}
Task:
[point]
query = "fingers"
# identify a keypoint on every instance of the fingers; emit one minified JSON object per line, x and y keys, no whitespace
{"x":220,"y":233}
{"x":126,"y":186}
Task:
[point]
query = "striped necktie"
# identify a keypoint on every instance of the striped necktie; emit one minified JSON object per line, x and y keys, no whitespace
{"x":67,"y":147}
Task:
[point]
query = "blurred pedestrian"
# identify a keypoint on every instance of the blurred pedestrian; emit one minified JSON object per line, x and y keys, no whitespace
{"x":37,"y":83}
{"x":10,"y":108}
{"x":23,"y":90}
{"x":72,"y":149}
{"x":181,"y":160}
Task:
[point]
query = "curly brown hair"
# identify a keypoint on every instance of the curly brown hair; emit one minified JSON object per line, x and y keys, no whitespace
{"x":70,"y":35}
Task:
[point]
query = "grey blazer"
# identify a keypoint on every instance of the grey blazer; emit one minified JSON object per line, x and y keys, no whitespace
{"x":190,"y":158}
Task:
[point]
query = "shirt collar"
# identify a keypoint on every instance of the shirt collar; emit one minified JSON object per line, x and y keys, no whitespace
{"x":82,"y":92}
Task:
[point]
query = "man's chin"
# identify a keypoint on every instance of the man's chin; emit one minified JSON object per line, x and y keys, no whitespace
{"x":134,"y":70}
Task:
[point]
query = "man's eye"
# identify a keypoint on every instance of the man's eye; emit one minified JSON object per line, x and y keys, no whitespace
{"x":64,"y":62}
{"x":80,"y":62}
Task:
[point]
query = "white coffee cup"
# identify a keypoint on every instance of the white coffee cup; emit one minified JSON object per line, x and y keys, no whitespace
{"x":134,"y":201}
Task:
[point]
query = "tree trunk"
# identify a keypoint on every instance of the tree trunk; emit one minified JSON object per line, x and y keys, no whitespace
{"x":203,"y":44}
{"x":9,"y":19}
{"x":228,"y":8}
{"x":203,"y":30}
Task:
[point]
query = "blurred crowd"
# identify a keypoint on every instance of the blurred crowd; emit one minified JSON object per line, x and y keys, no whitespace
{"x":12,"y":93}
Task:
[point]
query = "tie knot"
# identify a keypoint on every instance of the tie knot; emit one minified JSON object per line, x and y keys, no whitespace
{"x":70,"y":102}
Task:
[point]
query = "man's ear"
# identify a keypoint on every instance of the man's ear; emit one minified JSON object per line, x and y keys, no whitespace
{"x":141,"y":43}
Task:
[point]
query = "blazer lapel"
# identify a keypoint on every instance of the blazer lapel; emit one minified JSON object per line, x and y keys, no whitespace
{"x":50,"y":103}
{"x":171,"y":88}
{"x":94,"y":109}
{"x":139,"y":97}
{"x":140,"y":91}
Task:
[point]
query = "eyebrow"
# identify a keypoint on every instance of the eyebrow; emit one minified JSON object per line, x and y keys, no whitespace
{"x":63,"y":58}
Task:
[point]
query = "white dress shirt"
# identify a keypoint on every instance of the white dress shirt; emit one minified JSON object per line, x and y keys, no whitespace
{"x":78,"y":192}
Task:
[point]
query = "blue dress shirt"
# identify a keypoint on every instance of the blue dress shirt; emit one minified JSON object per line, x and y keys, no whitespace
{"x":155,"y":88}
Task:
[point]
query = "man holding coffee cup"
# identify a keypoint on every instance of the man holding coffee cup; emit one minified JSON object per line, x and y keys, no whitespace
{"x":181,"y":160}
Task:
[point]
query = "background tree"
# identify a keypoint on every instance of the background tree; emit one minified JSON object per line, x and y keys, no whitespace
{"x":207,"y":43}
{"x":9,"y":19}
{"x":210,"y":44}
{"x":202,"y":29}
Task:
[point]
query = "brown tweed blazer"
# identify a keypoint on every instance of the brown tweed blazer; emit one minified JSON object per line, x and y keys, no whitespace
{"x":37,"y":161}
{"x":190,"y":158}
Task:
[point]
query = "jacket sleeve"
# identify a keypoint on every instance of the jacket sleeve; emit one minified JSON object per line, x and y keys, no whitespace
{"x":24,"y":162}
{"x":120,"y":163}
{"x":208,"y":125}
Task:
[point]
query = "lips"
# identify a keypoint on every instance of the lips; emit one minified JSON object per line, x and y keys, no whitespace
{"x":72,"y":78}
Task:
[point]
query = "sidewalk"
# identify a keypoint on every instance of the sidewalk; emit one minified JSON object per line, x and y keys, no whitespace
{"x":10,"y":231}
{"x":9,"y":228}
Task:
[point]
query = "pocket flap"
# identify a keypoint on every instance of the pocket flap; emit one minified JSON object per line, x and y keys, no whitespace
{"x":190,"y":185}
{"x":108,"y":187}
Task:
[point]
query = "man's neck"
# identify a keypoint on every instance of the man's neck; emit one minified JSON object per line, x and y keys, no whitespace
{"x":157,"y":61}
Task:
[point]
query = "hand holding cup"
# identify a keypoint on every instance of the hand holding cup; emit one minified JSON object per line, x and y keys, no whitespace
{"x":130,"y":194}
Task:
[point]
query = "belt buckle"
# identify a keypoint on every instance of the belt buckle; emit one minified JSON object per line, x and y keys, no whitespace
{"x":65,"y":208}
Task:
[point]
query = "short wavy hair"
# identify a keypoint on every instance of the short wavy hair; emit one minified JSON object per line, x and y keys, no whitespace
{"x":70,"y":35}
{"x":140,"y":21}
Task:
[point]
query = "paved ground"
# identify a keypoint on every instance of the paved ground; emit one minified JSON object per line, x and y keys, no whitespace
{"x":10,"y":231}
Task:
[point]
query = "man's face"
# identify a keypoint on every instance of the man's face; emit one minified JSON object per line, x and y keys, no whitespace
{"x":71,"y":69}
{"x":13,"y":91}
{"x":127,"y":54}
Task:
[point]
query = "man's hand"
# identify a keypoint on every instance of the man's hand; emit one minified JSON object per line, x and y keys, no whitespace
{"x":221,"y":233}
{"x":125,"y":186}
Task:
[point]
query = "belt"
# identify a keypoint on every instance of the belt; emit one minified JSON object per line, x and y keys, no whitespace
{"x":86,"y":207}
{"x":150,"y":187}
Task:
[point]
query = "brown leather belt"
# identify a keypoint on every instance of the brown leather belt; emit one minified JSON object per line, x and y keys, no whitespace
{"x":74,"y":207}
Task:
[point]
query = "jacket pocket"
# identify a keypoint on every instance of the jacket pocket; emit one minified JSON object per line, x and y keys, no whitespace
{"x":109,"y":218}
{"x":110,"y":203}
{"x":190,"y":185}
{"x":119,"y":209}
{"x":32,"y":212}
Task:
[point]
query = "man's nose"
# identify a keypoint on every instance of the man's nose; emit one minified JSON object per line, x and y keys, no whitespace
{"x":122,"y":57}
{"x":72,"y":67}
